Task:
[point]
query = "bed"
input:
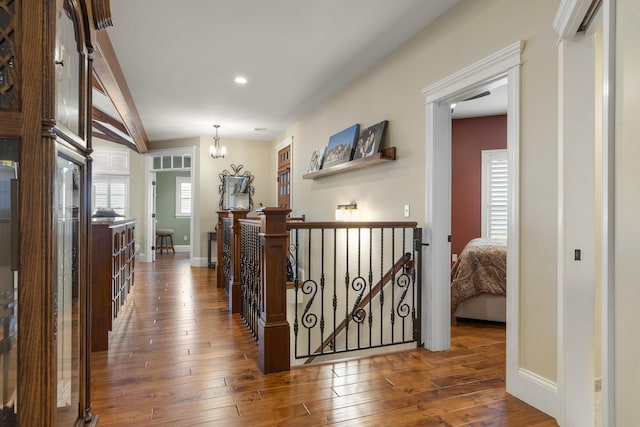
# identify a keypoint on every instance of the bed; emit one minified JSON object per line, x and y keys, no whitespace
{"x":478,"y":281}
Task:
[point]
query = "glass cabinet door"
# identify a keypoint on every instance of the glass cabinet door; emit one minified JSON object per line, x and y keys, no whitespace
{"x":9,"y":156}
{"x":68,"y":292}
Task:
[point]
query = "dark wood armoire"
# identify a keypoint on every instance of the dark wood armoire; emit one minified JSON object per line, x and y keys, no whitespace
{"x":46,"y":51}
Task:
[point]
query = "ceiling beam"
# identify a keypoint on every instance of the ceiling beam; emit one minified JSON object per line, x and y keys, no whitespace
{"x":111,"y":78}
{"x":99,"y":130}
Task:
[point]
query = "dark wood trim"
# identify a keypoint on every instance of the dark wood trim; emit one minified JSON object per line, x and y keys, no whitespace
{"x":95,"y":84}
{"x":102,"y":14}
{"x":274,"y":353}
{"x":10,"y":124}
{"x":350,"y":224}
{"x":111,"y":77}
{"x":220,"y":270}
{"x":101,"y":116}
{"x":106,"y":133}
{"x":36,"y":368}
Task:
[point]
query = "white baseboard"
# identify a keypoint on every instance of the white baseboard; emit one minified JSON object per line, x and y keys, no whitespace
{"x":198,"y":262}
{"x":181,"y":248}
{"x":536,"y":391}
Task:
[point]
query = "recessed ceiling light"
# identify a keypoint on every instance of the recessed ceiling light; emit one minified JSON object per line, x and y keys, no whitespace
{"x":241,"y":80}
{"x":260,"y":129}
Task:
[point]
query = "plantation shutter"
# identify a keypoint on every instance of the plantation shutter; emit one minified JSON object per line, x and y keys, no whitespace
{"x":183,"y":196}
{"x":110,"y":192}
{"x":495,"y":181}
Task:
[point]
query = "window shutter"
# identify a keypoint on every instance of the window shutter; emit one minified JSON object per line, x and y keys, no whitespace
{"x":495,"y":182}
{"x":118,"y":193}
{"x":183,"y":196}
{"x":111,"y":192}
{"x":100,"y":194}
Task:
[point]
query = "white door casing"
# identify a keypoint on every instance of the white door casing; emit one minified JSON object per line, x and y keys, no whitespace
{"x":579,"y":87}
{"x":533,"y":389}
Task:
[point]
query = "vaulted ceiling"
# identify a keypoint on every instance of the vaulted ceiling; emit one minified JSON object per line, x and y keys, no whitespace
{"x":179,"y":59}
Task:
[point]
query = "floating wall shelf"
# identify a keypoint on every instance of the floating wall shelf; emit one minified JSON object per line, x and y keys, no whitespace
{"x":385,"y":155}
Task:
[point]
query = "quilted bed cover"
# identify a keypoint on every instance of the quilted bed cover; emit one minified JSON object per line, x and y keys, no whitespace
{"x":481,"y":268}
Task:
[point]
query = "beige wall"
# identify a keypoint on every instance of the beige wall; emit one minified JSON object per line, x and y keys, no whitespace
{"x":392,"y":90}
{"x":253,"y":155}
{"x":627,"y":206}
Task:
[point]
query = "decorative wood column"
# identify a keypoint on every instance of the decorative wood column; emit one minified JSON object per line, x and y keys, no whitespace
{"x":220,"y":268}
{"x":235,"y":284}
{"x":273,"y":328}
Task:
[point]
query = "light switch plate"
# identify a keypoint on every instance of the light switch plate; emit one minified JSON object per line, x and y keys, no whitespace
{"x":406,"y":211}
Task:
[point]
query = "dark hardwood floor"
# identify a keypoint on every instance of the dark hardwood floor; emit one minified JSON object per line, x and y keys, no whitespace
{"x":177,"y":357}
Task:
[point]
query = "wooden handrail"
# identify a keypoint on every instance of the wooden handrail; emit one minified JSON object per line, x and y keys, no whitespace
{"x":405,"y":260}
{"x":352,"y":224}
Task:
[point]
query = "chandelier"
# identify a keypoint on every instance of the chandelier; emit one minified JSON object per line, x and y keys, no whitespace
{"x":216,"y":150}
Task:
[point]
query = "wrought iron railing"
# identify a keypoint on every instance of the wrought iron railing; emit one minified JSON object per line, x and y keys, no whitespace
{"x":356,"y":285}
{"x":250,"y":279}
{"x":227,"y":257}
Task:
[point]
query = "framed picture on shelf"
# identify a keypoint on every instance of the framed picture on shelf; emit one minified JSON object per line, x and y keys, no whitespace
{"x":340,"y":146}
{"x":316,"y":161}
{"x":369,"y":140}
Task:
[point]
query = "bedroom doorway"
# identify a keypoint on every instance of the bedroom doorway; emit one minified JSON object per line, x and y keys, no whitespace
{"x":466,"y":83}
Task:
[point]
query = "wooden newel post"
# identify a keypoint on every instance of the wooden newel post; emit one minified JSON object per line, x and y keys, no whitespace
{"x":273,"y":328}
{"x":235,"y":284}
{"x":220,"y":268}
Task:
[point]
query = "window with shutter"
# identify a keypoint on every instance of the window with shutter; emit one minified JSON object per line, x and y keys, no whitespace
{"x":183,"y":196}
{"x":495,"y":180}
{"x":111,"y":192}
{"x":110,"y":180}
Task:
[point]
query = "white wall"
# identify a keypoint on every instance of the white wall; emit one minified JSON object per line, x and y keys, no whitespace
{"x":391,"y":90}
{"x":627,"y":206}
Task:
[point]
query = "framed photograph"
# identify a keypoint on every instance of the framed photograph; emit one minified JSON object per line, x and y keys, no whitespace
{"x":316,"y":161}
{"x":340,"y":146}
{"x":369,"y":140}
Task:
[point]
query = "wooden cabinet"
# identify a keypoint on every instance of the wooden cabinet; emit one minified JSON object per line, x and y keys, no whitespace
{"x":112,"y":275}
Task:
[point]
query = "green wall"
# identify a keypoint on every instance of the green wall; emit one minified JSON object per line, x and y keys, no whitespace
{"x":166,"y":207}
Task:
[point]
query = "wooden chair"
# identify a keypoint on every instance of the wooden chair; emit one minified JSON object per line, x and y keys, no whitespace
{"x":164,"y":240}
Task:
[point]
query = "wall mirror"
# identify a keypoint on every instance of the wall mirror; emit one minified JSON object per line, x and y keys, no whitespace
{"x":236,"y":189}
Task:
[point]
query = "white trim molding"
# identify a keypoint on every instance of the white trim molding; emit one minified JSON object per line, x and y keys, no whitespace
{"x":504,"y":63}
{"x":491,"y":68}
{"x":569,"y":17}
{"x":540,"y":392}
{"x":577,"y":53}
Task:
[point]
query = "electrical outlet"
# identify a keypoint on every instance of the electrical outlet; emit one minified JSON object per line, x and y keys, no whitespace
{"x":406,"y":211}
{"x":454,"y":257}
{"x":185,"y":238}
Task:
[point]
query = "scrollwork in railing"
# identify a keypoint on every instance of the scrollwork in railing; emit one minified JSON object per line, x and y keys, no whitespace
{"x":309,"y":320}
{"x":403,"y":282}
{"x":358,"y":314}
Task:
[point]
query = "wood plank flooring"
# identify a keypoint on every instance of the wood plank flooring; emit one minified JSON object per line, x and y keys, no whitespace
{"x":177,"y":357}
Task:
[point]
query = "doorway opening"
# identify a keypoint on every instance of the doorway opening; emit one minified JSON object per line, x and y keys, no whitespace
{"x":170,"y":199}
{"x":439,"y":96}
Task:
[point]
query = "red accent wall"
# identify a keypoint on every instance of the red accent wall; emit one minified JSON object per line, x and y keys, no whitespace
{"x":468,"y":138}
